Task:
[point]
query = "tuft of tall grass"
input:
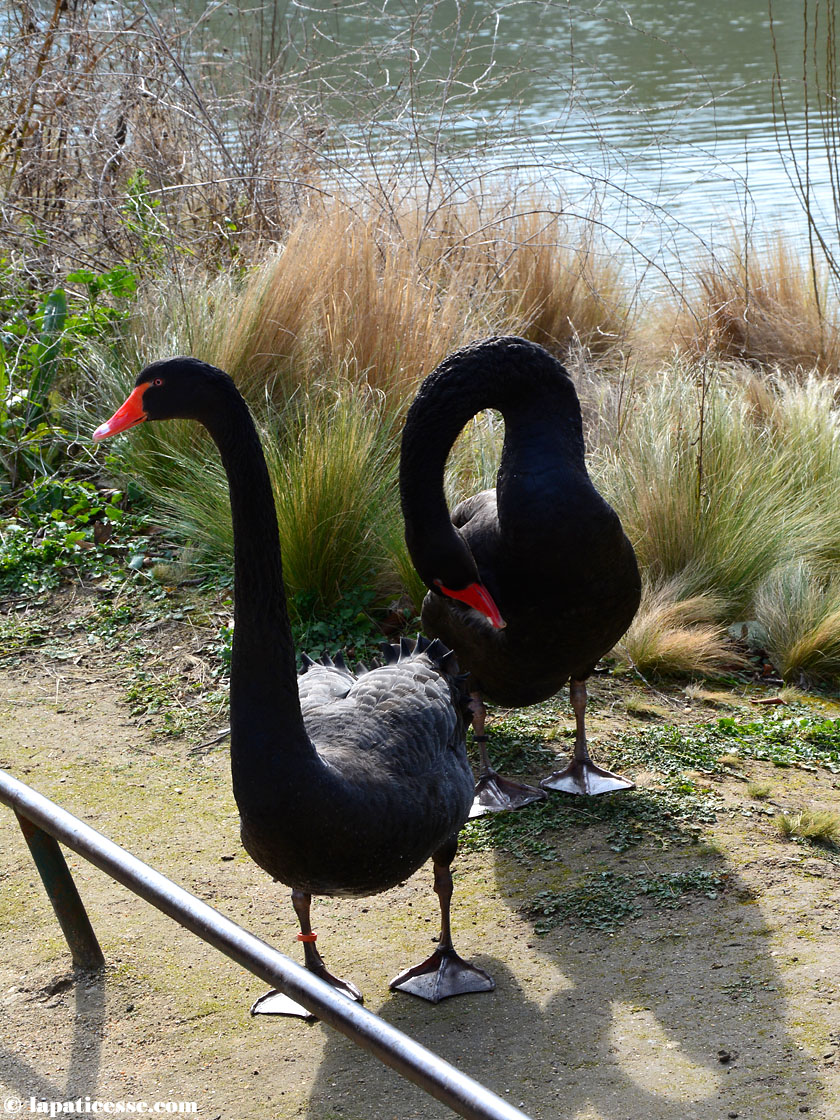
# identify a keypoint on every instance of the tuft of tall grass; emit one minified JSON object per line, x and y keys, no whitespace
{"x":765,"y":305}
{"x":729,"y":487}
{"x":341,"y":295}
{"x":798,"y":609}
{"x":804,"y":423}
{"x":549,"y":280}
{"x":563,"y":288}
{"x":391,"y":315}
{"x":676,"y":633}
{"x":819,"y":826}
{"x":334,"y":469}
{"x":704,"y":491}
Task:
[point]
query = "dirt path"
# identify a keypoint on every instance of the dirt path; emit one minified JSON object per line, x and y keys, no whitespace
{"x":723,"y":1008}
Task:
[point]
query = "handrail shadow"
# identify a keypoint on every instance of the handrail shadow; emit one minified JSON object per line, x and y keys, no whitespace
{"x":85,"y":1058}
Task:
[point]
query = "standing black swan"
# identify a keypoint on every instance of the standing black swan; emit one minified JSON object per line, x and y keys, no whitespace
{"x":544,"y":545}
{"x":345,"y":785}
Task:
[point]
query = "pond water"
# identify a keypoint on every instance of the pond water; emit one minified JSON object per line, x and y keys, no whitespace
{"x":659,"y":118}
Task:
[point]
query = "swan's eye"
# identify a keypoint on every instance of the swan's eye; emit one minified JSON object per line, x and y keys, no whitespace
{"x":158,"y":381}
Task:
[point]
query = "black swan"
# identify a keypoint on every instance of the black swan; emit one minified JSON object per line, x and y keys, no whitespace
{"x":345,"y":785}
{"x":544,"y":546}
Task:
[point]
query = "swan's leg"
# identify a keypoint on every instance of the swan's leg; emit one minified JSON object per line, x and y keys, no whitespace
{"x":493,"y":793}
{"x":276,"y":1003}
{"x":312,"y":958}
{"x":444,"y":973}
{"x":582,"y":775}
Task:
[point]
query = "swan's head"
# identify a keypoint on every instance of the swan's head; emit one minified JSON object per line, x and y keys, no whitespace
{"x":176,"y":388}
{"x":447,"y":567}
{"x":476,"y":596}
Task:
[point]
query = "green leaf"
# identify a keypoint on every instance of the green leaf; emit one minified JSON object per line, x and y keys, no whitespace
{"x":82,"y":276}
{"x":121,"y":282}
{"x":55,"y":315}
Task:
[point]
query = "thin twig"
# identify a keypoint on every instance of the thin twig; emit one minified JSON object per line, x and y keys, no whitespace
{"x":210,"y":742}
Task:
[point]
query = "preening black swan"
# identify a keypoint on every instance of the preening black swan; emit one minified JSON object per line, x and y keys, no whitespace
{"x":544,"y":545}
{"x":345,"y":785}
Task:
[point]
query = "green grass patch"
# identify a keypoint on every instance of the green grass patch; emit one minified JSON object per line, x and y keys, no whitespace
{"x":673,"y":814}
{"x":759,"y":791}
{"x":785,"y":739}
{"x":608,"y":900}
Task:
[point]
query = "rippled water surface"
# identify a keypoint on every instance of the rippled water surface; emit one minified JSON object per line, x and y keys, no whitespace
{"x":659,"y":116}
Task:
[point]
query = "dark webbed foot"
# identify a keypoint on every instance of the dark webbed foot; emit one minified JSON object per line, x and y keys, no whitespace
{"x":276,"y":1003}
{"x":584,"y":777}
{"x":495,"y":794}
{"x":444,"y":974}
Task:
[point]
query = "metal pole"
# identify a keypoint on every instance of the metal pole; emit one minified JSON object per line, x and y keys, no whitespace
{"x":62,"y":892}
{"x":461,"y":1093}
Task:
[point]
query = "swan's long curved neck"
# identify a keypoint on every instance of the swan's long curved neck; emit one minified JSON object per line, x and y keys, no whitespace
{"x":543,"y":432}
{"x":266,"y":722}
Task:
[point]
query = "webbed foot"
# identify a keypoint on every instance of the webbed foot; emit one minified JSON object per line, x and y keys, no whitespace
{"x":495,"y":794}
{"x":582,"y":776}
{"x":277,"y":1003}
{"x":444,"y":974}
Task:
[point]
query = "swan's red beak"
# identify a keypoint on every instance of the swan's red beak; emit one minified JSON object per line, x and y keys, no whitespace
{"x":477,"y":596}
{"x":126,"y":416}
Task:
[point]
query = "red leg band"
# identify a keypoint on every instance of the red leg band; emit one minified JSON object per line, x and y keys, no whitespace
{"x":307,"y":937}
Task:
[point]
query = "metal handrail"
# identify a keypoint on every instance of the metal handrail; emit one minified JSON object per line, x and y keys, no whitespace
{"x":37,"y":814}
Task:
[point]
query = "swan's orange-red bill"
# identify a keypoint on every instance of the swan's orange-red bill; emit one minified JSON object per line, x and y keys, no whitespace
{"x":476,"y":595}
{"x":126,"y":416}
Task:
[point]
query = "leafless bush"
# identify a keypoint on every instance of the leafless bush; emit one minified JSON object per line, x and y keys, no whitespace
{"x":116,"y":138}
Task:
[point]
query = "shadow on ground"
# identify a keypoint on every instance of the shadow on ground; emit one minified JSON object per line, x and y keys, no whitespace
{"x":82,"y":1079}
{"x":679,"y":1015}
